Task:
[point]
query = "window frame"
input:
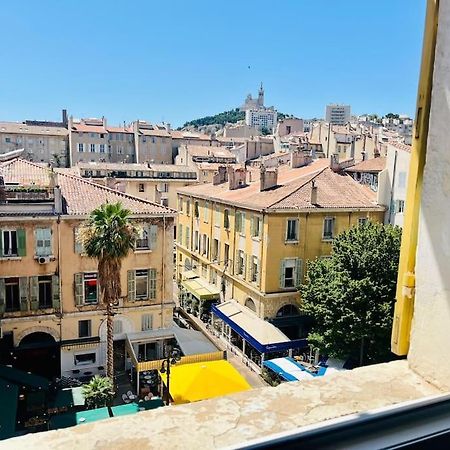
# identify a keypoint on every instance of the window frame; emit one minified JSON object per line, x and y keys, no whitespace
{"x":297,"y":231}
{"x":87,"y":322}
{"x":326,"y":237}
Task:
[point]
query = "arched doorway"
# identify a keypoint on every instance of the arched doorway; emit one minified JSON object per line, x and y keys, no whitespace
{"x":39,"y":353}
{"x":250,"y":304}
{"x":288,"y":311}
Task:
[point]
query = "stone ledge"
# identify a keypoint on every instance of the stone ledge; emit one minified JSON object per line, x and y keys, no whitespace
{"x":241,"y":417}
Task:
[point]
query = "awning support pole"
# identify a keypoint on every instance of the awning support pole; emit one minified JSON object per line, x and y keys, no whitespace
{"x":262,"y":359}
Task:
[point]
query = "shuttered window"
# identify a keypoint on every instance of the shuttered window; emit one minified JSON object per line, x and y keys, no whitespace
{"x":291,"y":273}
{"x":43,"y":241}
{"x":13,"y":243}
{"x":146,"y":322}
{"x":328,"y":228}
{"x":78,"y":246}
{"x":86,"y":288}
{"x":141,"y":284}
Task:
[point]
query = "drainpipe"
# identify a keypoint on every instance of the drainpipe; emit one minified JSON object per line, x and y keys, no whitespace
{"x":406,"y":270}
{"x":163,"y":290}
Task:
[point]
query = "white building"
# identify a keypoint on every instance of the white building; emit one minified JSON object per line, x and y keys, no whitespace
{"x":261,"y":118}
{"x":337,"y":114}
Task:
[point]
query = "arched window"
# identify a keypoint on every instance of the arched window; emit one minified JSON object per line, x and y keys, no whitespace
{"x":250,"y":304}
{"x":288,"y":311}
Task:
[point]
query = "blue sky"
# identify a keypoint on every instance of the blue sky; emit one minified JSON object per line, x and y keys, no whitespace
{"x":180,"y":60}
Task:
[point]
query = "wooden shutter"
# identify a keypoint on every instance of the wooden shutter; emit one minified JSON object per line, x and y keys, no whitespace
{"x":243,"y":223}
{"x":298,"y":271}
{"x":21,"y":242}
{"x":236,"y":262}
{"x":258,"y":275}
{"x":152,"y":283}
{"x":56,"y":301}
{"x":131,"y":277}
{"x":78,"y":246}
{"x":23,"y":290}
{"x":249,"y":267}
{"x":2,"y":296}
{"x":34,"y":293}
{"x":79,"y":291}
{"x":152,"y":236}
{"x":282,"y":268}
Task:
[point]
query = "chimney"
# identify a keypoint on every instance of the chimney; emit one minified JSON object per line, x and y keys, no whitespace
{"x":53,"y":179}
{"x":220,"y":176}
{"x":236,"y":178}
{"x":64,"y":117}
{"x":334,"y":163}
{"x":313,"y":193}
{"x":104,"y":121}
{"x":58,"y":200}
{"x":268,"y":178}
{"x":299,"y":159}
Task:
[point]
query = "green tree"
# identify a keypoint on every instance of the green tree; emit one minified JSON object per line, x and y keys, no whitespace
{"x":98,"y":392}
{"x":108,"y":236}
{"x":351,"y":295}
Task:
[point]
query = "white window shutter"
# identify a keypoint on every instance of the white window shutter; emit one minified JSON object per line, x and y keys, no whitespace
{"x":23,"y":289}
{"x":258,"y":275}
{"x":55,"y":292}
{"x":131,"y":279}
{"x":79,"y":291}
{"x":298,"y":271}
{"x":34,"y":293}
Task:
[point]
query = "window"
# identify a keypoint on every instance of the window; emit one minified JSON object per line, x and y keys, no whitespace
{"x":362,"y":221}
{"x":292,"y":230}
{"x":84,"y":359}
{"x":204,"y":270}
{"x":205,"y":244}
{"x":92,"y":148}
{"x":256,"y":226}
{"x":226,"y":219}
{"x":43,"y":241}
{"x":141,"y":187}
{"x":188,"y":207}
{"x":165,"y":201}
{"x":146,"y":322}
{"x":86,"y":288}
{"x":45,"y":292}
{"x":255,"y":269}
{"x":215,"y":250}
{"x":141,"y":284}
{"x":10,"y":247}
{"x":147,"y":237}
{"x":7,"y":140}
{"x":290,"y":273}
{"x":226,"y":254}
{"x":93,"y":135}
{"x":196,"y":210}
{"x":328,"y":228}
{"x":180,"y":234}
{"x":241,"y":263}
{"x":400,"y":206}
{"x":142,"y":241}
{"x":84,"y":328}
{"x":80,"y":147}
{"x":12,"y":295}
{"x":240,"y":222}
{"x":102,"y":148}
{"x":180,"y":205}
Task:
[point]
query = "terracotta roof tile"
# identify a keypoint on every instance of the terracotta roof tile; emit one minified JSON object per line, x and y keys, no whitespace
{"x":294,"y":191}
{"x":83,"y":128}
{"x":22,"y":128}
{"x":369,"y":165}
{"x":401,"y":146}
{"x":80,"y":195}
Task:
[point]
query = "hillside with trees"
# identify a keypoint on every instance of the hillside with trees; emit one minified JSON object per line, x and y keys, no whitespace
{"x":232,"y":116}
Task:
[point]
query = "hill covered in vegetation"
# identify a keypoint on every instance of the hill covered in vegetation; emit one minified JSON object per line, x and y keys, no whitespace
{"x":232,"y":116}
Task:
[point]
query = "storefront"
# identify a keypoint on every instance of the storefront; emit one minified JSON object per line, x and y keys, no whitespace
{"x":256,"y":338}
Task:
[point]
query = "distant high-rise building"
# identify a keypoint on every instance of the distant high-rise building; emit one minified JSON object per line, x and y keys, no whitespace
{"x":337,"y":114}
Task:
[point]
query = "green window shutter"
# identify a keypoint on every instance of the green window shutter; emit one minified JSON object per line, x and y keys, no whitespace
{"x":79,"y":292}
{"x":23,"y":289}
{"x":131,"y":278}
{"x":21,"y":242}
{"x":252,"y":226}
{"x":298,"y":271}
{"x":152,"y":283}
{"x":282,"y":267}
{"x":152,"y":236}
{"x":56,"y":301}
{"x":34,"y":293}
{"x":249,"y":267}
{"x":2,"y":296}
{"x":243,"y":224}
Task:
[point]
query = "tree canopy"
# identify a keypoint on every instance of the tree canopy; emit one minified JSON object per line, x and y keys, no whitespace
{"x":351,"y":295}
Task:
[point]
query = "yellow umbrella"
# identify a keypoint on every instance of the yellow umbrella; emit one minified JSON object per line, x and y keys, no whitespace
{"x":200,"y":381}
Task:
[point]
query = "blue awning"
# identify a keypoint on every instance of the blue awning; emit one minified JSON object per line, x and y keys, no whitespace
{"x":260,"y":334}
{"x":288,"y":369}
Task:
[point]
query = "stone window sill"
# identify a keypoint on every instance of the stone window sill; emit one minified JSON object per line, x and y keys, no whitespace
{"x":10,"y":258}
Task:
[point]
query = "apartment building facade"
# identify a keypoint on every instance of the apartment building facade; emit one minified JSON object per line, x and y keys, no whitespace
{"x":251,"y":241}
{"x":51,"y":315}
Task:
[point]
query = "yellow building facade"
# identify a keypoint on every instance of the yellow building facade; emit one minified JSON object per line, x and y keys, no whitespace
{"x":51,"y":314}
{"x":254,"y":245}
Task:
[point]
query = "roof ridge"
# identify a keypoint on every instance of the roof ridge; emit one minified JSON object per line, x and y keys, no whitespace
{"x":114,"y":191}
{"x":312,"y":175}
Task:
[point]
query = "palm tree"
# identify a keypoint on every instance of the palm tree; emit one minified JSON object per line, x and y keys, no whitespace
{"x":108,"y":236}
{"x":98,"y":392}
